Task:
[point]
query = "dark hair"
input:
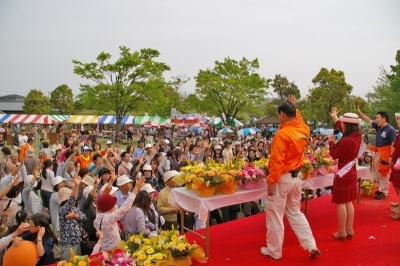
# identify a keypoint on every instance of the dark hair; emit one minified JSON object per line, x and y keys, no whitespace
{"x":96,"y":143}
{"x":287,"y":108}
{"x":350,"y":128}
{"x":157,"y":155}
{"x":128,"y":148}
{"x":384,"y":114}
{"x":66,"y":141}
{"x":21,"y":217}
{"x":6,"y":151}
{"x":45,"y":145}
{"x":82,"y":172}
{"x":142,"y":201}
{"x":41,"y":220}
{"x":123,"y":154}
{"x":169,"y":153}
{"x":96,"y":156}
{"x":46,"y":164}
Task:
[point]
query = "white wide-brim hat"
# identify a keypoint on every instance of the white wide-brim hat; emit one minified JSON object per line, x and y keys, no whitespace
{"x":350,"y":118}
{"x":170,"y":174}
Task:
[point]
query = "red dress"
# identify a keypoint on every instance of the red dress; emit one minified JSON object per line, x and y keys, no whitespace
{"x":346,"y":150}
{"x":395,"y":174}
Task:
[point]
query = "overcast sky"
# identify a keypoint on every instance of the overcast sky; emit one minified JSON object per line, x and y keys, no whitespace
{"x":39,"y":39}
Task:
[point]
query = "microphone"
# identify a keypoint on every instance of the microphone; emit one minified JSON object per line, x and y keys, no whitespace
{"x":335,"y":132}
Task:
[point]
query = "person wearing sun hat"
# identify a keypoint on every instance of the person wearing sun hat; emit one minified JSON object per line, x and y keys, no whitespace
{"x":394,"y":162}
{"x":347,"y":151}
{"x":107,"y":216}
{"x":166,"y":209}
{"x":70,"y":219}
{"x":385,"y":137}
{"x":124,"y":183}
{"x":154,"y":217}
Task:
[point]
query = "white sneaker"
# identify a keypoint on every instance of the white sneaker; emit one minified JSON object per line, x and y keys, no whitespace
{"x":265,"y":251}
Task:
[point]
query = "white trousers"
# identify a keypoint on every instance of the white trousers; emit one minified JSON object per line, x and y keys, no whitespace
{"x":286,"y":200}
{"x":383,"y":181}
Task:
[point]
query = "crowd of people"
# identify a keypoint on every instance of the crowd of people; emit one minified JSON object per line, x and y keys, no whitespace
{"x":81,"y":196}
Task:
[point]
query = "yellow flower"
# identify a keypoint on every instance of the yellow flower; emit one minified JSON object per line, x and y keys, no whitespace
{"x":146,"y":241}
{"x":150,"y":251}
{"x":158,"y":256}
{"x":181,"y":247}
{"x":68,"y":264}
{"x":142,"y":257}
{"x":82,"y":263}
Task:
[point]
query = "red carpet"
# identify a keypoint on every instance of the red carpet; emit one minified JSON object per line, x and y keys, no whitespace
{"x":376,"y":240}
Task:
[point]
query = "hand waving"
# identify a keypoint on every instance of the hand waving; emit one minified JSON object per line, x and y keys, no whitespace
{"x":334,"y":113}
{"x":292,"y":99}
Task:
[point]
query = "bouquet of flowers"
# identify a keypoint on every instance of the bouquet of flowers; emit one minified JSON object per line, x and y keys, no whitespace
{"x":368,"y":187}
{"x":252,"y":174}
{"x":116,"y":258}
{"x":307,"y":169}
{"x":262,"y":163}
{"x":75,"y":260}
{"x":163,"y":249}
{"x":206,"y":178}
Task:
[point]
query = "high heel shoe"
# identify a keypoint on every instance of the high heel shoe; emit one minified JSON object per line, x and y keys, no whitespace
{"x":395,"y":216}
{"x":394,"y":204}
{"x":340,"y":237}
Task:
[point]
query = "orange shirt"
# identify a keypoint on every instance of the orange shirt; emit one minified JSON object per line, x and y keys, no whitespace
{"x":287,"y":148}
{"x":84,"y":162}
{"x":22,"y":151}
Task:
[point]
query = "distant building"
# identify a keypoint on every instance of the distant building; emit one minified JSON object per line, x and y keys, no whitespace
{"x":12,"y":104}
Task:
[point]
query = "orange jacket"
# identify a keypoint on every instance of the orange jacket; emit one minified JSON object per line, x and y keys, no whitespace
{"x":287,"y":148}
{"x":22,"y":151}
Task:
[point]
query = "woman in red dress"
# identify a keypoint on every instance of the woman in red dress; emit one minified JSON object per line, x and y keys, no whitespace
{"x":395,"y":173}
{"x":345,"y":182}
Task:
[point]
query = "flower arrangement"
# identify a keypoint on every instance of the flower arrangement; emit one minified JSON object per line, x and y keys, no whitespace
{"x":75,"y":260}
{"x":211,"y":177}
{"x":116,"y":258}
{"x":368,"y":187}
{"x":166,"y":247}
{"x":307,"y":169}
{"x":251,"y":174}
{"x":317,"y":163}
{"x":262,"y":163}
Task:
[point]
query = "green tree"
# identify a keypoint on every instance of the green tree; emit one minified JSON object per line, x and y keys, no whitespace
{"x":62,"y":99}
{"x":231,"y":86}
{"x":124,"y":85}
{"x":331,"y":89}
{"x":36,"y":103}
{"x":283,"y":88}
{"x":385,"y":95}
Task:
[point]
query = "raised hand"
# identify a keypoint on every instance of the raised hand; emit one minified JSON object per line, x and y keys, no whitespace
{"x":77,"y":179}
{"x":292,"y":99}
{"x":334,"y":113}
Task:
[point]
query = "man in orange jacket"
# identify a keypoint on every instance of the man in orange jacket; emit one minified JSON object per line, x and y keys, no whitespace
{"x":284,"y":187}
{"x":24,"y":148}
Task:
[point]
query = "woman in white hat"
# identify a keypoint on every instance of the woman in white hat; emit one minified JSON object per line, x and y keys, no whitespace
{"x":218,"y":158}
{"x":347,"y":151}
{"x":152,"y":214}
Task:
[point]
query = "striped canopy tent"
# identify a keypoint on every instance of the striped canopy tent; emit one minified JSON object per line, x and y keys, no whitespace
{"x":60,"y":118}
{"x":152,"y":118}
{"x":188,"y":121}
{"x":166,"y":123}
{"x":200,"y":125}
{"x":83,"y":119}
{"x":217,"y":122}
{"x":27,"y":119}
{"x":112,"y":120}
{"x":149,"y":124}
